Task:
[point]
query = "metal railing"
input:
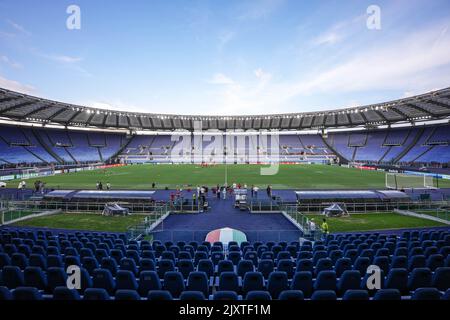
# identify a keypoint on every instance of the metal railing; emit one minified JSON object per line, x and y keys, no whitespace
{"x":148,"y":223}
{"x":200,"y":235}
{"x":94,"y":207}
{"x":314,"y":208}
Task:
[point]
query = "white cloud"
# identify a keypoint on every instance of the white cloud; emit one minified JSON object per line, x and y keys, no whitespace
{"x":221,"y":79}
{"x":418,"y":63}
{"x":63,"y":58}
{"x":253,"y":10}
{"x":18,"y":27}
{"x":10,"y":63}
{"x":339,"y":31}
{"x":16,"y":86}
{"x":224,"y":38}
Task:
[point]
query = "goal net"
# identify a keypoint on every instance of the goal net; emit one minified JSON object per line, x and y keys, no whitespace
{"x":406,"y":181}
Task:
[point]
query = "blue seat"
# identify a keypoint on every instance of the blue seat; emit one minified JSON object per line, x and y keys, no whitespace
{"x":303,"y":281}
{"x":168,"y":255}
{"x":382,"y":262}
{"x":56,"y":277}
{"x":225,"y":296}
{"x":417,"y":261}
{"x":335,"y":255}
{"x":278,"y":282}
{"x":387,"y":294}
{"x":291,"y":295}
{"x":225,"y":266}
{"x":35,"y":277}
{"x":71,"y":261}
{"x":323,"y":265}
{"x":19,"y":260}
{"x":96,"y":294}
{"x":116,"y":254}
{"x":26,"y":293}
{"x":12,"y":277}
{"x":5,"y":294}
{"x":148,"y":254}
{"x":319,"y":255}
{"x":286,"y":265}
{"x":399,"y":262}
{"x":228,"y":281}
{"x":352,"y":254}
{"x":147,"y":264}
{"x":265,"y":266}
{"x":90,"y":264}
{"x":64,"y":293}
{"x":185,"y":267}
{"x":5,"y":260}
{"x":127,"y":295}
{"x":109,"y":264}
{"x":426,"y":294}
{"x":234,"y":257}
{"x":244,"y":266}
{"x":174,"y":283}
{"x":129,"y":264}
{"x":419,"y":278}
{"x":446,"y":295}
{"x":258,"y":295}
{"x":361,"y":264}
{"x":350,"y":280}
{"x":441,"y":278}
{"x":320,"y":295}
{"x":397,"y":279}
{"x":165,"y":265}
{"x":37,"y":260}
{"x":148,"y":281}
{"x":198,"y":281}
{"x":54,"y":261}
{"x":253,"y":281}
{"x":356,"y":295}
{"x":103,"y":279}
{"x":326,"y":280}
{"x":206,"y":266}
{"x":125,"y":280}
{"x":192,"y":296}
{"x":283,"y":255}
{"x":435,"y":261}
{"x":159,"y":295}
{"x":217,"y":256}
{"x":200,"y":255}
{"x":252,"y":256}
{"x":305,"y":265}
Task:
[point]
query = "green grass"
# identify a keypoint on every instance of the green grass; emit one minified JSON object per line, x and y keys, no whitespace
{"x":83,"y":221}
{"x":288,"y":177}
{"x":374,"y":221}
{"x":12,"y":215}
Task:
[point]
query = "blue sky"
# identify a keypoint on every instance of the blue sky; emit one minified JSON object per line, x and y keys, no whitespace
{"x":223,"y":57}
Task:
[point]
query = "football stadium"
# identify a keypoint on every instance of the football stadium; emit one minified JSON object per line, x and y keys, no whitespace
{"x":108,"y":203}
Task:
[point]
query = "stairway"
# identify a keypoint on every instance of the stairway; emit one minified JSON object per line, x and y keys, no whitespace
{"x":70,"y":154}
{"x":34,"y":154}
{"x":46,"y":147}
{"x":341,"y":158}
{"x":420,"y":155}
{"x":385,"y":154}
{"x":408,"y":148}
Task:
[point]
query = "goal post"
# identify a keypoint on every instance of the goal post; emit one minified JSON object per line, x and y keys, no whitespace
{"x":408,"y":181}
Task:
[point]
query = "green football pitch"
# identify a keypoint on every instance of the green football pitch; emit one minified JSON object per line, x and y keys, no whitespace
{"x":287,"y":177}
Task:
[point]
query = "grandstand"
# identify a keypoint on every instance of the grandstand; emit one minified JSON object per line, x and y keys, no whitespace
{"x":160,"y":250}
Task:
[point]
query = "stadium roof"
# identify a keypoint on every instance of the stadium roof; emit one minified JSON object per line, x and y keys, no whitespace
{"x":16,"y":106}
